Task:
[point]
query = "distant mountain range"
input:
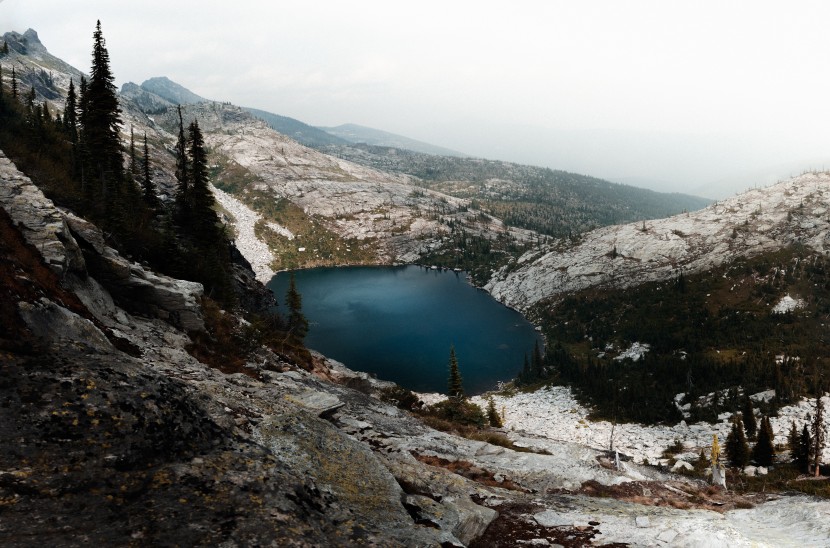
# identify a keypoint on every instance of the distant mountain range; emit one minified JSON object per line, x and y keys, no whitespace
{"x":356,"y":134}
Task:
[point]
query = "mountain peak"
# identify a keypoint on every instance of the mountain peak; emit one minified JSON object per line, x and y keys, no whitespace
{"x":169,"y":90}
{"x":31,"y":36}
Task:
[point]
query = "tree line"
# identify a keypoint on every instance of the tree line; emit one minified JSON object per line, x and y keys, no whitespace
{"x":77,"y":158}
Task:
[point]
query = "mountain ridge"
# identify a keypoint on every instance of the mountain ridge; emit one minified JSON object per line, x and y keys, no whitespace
{"x":357,"y":134}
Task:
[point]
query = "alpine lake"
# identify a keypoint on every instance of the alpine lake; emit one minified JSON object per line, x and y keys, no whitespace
{"x":398,"y":324}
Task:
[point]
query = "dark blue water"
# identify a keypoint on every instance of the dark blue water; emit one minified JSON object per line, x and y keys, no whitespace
{"x":398,"y":323}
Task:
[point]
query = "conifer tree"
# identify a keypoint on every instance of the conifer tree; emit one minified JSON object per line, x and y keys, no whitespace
{"x":148,"y":189}
{"x":83,"y":150}
{"x":764,"y":451}
{"x":537,"y":366}
{"x":103,"y":117}
{"x":737,"y":450}
{"x":5,"y":47}
{"x":30,"y":102}
{"x":204,"y":222}
{"x":526,"y":375}
{"x":493,"y":417}
{"x":714,"y":455}
{"x":455,"y":387}
{"x":802,"y":458}
{"x":182,"y":175}
{"x":817,"y":437}
{"x":297,"y":322}
{"x":792,"y":441}
{"x":750,"y":425}
{"x":2,"y":91}
{"x":132,"y":169}
{"x":14,"y":83}
{"x":70,"y":114}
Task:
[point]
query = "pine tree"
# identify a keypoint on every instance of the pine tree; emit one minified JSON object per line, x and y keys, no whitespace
{"x":455,"y":387}
{"x":83,"y":150}
{"x":148,"y":189}
{"x":525,"y":376}
{"x":5,"y":48}
{"x":792,"y":441}
{"x":764,"y":451}
{"x":750,"y":426}
{"x":802,"y":459}
{"x":182,"y":175}
{"x":14,"y":83}
{"x":204,"y":222}
{"x":492,"y":414}
{"x":103,"y":117}
{"x":817,"y":437}
{"x":536,"y":364}
{"x":70,"y":114}
{"x":30,"y":102}
{"x":297,"y":322}
{"x":1,"y":84}
{"x":132,"y":169}
{"x":737,"y":450}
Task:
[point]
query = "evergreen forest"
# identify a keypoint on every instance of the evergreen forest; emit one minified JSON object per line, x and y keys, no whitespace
{"x":709,"y":333}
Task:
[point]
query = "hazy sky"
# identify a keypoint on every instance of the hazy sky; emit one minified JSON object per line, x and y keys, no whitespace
{"x":690,"y":96}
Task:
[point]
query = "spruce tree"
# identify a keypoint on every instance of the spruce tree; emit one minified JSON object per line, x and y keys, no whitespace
{"x":297,"y":322}
{"x":493,"y":417}
{"x":525,"y":376}
{"x":737,"y":450}
{"x":182,"y":175}
{"x":148,"y":189}
{"x":536,"y":364}
{"x":204,"y":222}
{"x":30,"y":102}
{"x":1,"y":83}
{"x":817,"y":437}
{"x":5,"y":47}
{"x":750,"y":426}
{"x":802,"y":458}
{"x":83,"y":159}
{"x":14,"y":83}
{"x":70,"y":114}
{"x":455,"y":387}
{"x":792,"y":441}
{"x":764,"y":451}
{"x":103,"y":118}
{"x":132,"y":169}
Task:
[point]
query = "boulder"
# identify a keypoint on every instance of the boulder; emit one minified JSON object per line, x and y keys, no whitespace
{"x":682,"y":465}
{"x":52,"y":323}
{"x":473,"y":519}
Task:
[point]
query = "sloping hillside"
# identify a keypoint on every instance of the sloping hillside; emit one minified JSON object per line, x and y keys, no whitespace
{"x":759,"y":220}
{"x":551,"y":202}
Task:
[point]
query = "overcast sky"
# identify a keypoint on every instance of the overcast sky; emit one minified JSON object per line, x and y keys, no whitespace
{"x":691,"y":96}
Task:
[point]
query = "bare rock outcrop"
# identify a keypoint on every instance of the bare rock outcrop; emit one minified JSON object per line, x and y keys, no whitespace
{"x":73,"y":247}
{"x":757,"y":221}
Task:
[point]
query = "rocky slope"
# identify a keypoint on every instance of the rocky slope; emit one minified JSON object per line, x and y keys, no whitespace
{"x":760,"y":220}
{"x":381,"y":214}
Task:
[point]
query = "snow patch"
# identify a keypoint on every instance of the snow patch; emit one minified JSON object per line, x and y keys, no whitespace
{"x":787,"y":304}
{"x":634,"y":352}
{"x":255,"y":251}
